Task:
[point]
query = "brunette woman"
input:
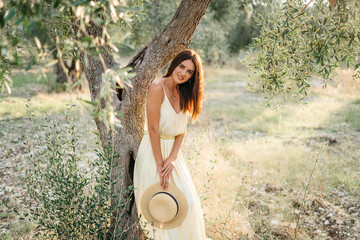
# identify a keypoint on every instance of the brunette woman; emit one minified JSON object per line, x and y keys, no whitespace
{"x":171,"y":101}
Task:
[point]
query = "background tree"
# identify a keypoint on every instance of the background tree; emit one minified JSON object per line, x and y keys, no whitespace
{"x":302,"y":41}
{"x":227,"y":27}
{"x":241,"y":34}
{"x":72,"y":67}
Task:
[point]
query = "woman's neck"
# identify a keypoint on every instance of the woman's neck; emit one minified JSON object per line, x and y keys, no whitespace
{"x":169,"y":83}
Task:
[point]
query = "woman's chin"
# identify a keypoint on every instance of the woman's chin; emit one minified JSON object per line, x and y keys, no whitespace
{"x":178,"y":81}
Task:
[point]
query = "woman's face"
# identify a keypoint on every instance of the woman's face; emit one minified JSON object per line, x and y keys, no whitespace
{"x":183,"y":72}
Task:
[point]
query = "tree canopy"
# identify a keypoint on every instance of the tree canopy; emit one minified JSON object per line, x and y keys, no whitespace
{"x":298,"y":40}
{"x":49,"y":26}
{"x":301,"y":41}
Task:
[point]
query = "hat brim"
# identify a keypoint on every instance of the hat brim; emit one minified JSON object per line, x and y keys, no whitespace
{"x":178,"y":195}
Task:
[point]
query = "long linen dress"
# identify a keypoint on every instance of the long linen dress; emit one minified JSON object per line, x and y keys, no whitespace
{"x":171,"y":124}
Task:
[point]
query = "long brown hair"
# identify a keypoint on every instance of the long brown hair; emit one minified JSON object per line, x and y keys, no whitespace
{"x":191,"y":91}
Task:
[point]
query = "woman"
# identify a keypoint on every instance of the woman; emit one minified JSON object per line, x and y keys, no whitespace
{"x":170,"y":102}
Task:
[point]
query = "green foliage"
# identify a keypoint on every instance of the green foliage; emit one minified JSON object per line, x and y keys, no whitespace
{"x":298,"y":43}
{"x":45,"y":33}
{"x":209,"y":38}
{"x":238,"y":39}
{"x":106,"y":112}
{"x":228,"y":27}
{"x":246,"y":28}
{"x":65,"y":196}
{"x":36,"y":31}
{"x":217,"y":35}
{"x":220,"y":8}
{"x":151,"y":21}
{"x":210,"y":41}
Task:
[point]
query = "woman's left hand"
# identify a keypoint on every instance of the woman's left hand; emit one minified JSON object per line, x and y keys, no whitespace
{"x":168,"y":166}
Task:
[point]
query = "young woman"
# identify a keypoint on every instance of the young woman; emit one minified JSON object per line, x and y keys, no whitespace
{"x":171,"y":100}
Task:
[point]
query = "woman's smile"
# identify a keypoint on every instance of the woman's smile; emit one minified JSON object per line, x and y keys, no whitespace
{"x":181,"y":78}
{"x":184,"y":71}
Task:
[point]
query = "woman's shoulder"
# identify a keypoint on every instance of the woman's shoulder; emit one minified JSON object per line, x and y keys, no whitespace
{"x":156,"y":86}
{"x":156,"y":90}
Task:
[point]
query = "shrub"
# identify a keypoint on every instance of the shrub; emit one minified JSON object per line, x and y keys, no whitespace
{"x":65,"y":196}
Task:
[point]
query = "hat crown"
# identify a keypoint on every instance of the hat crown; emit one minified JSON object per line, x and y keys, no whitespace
{"x":163,"y":207}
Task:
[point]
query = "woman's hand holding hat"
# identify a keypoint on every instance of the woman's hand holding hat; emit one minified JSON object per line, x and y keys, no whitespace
{"x":165,"y":182}
{"x":164,"y":179}
{"x":168,"y":166}
{"x":159,"y":167}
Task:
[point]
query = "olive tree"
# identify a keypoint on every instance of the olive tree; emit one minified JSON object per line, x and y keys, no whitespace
{"x":303,"y":40}
{"x":129,"y":102}
{"x":81,"y":29}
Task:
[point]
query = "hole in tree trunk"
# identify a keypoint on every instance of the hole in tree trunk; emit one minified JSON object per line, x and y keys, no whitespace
{"x":131,"y":173}
{"x":120,"y":91}
{"x":131,"y":166}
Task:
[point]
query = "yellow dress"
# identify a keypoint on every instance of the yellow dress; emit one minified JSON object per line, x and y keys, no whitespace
{"x":171,"y":124}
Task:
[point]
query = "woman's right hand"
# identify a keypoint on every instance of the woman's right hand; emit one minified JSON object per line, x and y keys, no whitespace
{"x":159,"y":167}
{"x":164,"y":180}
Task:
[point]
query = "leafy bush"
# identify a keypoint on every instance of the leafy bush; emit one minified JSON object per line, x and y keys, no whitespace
{"x":65,"y":196}
{"x":209,"y":41}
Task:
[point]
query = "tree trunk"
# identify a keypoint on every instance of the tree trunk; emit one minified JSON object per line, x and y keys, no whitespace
{"x":72,"y":73}
{"x":60,"y":74}
{"x":130,"y":102}
{"x":332,"y":3}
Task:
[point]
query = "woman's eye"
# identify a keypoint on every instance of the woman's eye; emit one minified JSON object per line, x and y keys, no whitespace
{"x":181,"y":66}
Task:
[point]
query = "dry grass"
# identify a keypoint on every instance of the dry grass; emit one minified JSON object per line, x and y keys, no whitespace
{"x":264,"y":158}
{"x":250,"y":164}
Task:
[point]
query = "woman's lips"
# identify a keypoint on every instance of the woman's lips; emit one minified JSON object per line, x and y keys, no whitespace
{"x":181,"y":78}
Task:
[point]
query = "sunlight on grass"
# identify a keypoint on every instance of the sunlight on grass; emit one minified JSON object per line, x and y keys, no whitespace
{"x":15,"y":107}
{"x":266,"y":156}
{"x":215,"y":76}
{"x":251,"y":164}
{"x":22,"y":79}
{"x":218,"y":186}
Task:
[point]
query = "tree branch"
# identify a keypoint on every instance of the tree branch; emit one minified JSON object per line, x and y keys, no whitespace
{"x":332,"y":3}
{"x":175,"y":37}
{"x":306,"y":6}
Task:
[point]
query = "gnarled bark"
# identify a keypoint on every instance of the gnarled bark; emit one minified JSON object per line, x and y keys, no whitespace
{"x":146,"y":63}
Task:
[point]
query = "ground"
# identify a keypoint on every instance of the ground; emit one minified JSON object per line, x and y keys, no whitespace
{"x":261,"y":173}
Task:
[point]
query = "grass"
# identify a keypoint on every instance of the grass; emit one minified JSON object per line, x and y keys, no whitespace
{"x":22,"y":79}
{"x":41,"y":92}
{"x":250,"y":164}
{"x":352,"y":116}
{"x":17,"y":228}
{"x":15,"y":107}
{"x":268,"y":155}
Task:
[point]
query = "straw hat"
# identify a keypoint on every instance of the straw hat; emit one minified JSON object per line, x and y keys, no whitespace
{"x":164,"y":209}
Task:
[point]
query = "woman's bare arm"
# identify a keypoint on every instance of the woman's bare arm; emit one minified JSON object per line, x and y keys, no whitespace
{"x":169,"y":162}
{"x":153,"y":105}
{"x":176,"y":147}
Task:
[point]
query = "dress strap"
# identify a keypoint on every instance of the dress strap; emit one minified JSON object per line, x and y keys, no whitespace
{"x":162,"y":86}
{"x":163,"y":89}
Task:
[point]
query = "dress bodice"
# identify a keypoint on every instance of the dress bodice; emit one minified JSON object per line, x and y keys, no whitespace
{"x":171,"y":123}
